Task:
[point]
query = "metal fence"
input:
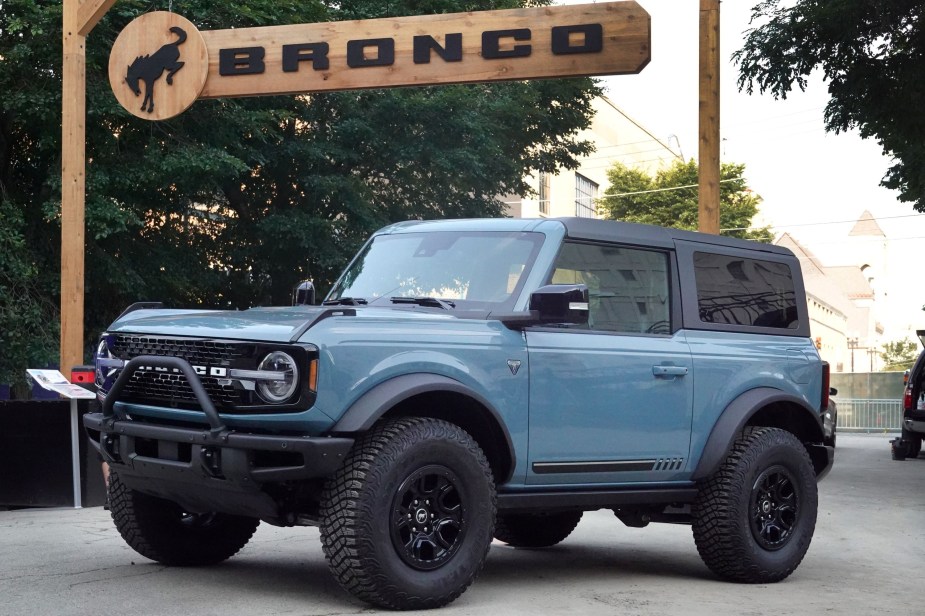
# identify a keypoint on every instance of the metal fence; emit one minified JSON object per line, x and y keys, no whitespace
{"x":862,"y":415}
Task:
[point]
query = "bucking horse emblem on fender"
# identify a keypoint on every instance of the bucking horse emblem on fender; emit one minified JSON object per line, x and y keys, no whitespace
{"x":150,"y":68}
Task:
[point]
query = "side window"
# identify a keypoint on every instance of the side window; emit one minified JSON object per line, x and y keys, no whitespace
{"x":738,"y":291}
{"x":628,"y":286}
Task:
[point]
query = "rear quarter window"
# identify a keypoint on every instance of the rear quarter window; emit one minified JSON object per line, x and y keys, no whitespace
{"x":736,"y":290}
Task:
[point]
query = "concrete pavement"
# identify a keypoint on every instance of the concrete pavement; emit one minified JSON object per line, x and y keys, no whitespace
{"x":867,"y":557}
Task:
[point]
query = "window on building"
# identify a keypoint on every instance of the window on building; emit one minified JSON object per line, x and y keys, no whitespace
{"x":627,"y":287}
{"x":585,"y":196}
{"x":544,"y":192}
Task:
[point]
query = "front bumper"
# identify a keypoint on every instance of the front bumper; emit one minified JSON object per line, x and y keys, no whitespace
{"x":226,"y":454}
{"x":213,"y":468}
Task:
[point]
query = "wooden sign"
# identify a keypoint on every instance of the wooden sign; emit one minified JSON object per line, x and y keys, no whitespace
{"x":158,"y":65}
{"x":609,"y":38}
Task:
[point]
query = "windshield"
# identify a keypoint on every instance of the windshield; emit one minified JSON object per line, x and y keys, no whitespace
{"x":484,"y":268}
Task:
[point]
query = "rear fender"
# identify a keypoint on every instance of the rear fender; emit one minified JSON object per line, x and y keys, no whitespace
{"x":763,"y":406}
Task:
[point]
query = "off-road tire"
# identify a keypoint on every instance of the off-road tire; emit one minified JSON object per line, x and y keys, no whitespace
{"x":374,"y":549}
{"x":914,"y":441}
{"x":899,"y":449}
{"x":535,"y":530}
{"x":162,"y":531}
{"x":753,"y":520}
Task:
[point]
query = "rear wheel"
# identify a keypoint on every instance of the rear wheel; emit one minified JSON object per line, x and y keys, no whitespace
{"x":162,"y":531}
{"x":914,"y":441}
{"x":408,"y":520}
{"x":754,"y":518}
{"x":536,"y":530}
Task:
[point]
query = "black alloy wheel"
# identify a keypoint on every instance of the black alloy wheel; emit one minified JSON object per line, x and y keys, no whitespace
{"x":775,"y":508}
{"x":428,"y":518}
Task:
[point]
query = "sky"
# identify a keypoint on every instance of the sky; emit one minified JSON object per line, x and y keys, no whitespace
{"x":814,"y":184}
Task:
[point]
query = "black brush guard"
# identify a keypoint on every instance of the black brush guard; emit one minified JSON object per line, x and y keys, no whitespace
{"x":212,"y":468}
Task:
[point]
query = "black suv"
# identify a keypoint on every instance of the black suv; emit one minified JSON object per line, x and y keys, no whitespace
{"x":913,"y":424}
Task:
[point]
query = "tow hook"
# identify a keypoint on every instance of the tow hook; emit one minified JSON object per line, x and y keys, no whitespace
{"x":212,"y":461}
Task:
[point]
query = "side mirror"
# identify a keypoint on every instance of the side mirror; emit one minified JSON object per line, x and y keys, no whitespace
{"x":561,"y":303}
{"x":304,"y":294}
{"x":833,"y":391}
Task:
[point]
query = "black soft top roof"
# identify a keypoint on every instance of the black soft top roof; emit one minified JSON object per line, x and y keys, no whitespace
{"x":649,"y":235}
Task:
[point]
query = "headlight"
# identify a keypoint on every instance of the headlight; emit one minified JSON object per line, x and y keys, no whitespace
{"x":277,"y":391}
{"x":107,"y":366}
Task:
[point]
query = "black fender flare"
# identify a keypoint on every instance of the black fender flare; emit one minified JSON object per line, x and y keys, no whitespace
{"x":376,"y":402}
{"x":734,"y":418}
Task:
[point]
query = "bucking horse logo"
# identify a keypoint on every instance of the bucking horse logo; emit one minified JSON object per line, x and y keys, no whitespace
{"x":150,"y":68}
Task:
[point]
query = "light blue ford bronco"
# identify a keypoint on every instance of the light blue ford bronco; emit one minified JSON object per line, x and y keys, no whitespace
{"x":476,"y":379}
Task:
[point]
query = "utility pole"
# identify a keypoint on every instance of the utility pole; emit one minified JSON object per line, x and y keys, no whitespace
{"x":79,"y":18}
{"x":708,"y":214}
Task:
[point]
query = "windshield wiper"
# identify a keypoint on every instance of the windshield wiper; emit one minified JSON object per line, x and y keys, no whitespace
{"x":345,"y":301}
{"x":430,"y":302}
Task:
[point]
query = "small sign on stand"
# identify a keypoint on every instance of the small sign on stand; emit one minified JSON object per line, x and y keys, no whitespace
{"x":52,"y":380}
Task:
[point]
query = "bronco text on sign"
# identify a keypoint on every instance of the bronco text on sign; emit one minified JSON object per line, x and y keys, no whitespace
{"x":593,"y":39}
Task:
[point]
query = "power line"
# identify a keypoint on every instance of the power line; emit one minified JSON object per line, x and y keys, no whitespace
{"x":656,"y":190}
{"x":829,"y":222}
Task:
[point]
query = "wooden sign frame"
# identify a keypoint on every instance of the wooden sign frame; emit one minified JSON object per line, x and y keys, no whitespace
{"x":609,"y":38}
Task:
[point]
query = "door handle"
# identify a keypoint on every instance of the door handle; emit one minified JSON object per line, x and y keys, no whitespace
{"x":669,"y":371}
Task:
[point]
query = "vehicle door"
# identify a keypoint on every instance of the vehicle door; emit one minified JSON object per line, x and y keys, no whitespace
{"x":610,"y":402}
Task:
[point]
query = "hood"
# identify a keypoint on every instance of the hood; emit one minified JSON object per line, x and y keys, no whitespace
{"x":283,"y":324}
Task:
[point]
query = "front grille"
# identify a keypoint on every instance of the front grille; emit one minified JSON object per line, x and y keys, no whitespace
{"x":157,"y":386}
{"x":149,"y":385}
{"x":196,"y":352}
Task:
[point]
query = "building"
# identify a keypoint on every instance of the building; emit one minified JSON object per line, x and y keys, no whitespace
{"x":842,"y":310}
{"x":617,"y":138}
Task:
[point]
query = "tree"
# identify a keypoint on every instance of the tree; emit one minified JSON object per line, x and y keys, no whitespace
{"x":872,"y":54}
{"x":669,"y":199}
{"x":236,"y":200}
{"x":899,"y":354}
{"x":28,"y":319}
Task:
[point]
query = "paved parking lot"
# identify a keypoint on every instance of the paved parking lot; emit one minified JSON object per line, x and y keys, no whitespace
{"x":867,"y":557}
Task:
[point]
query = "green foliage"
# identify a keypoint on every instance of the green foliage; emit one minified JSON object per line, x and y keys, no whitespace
{"x":872,"y":54}
{"x":236,"y":200}
{"x":28,"y":320}
{"x":679,"y":208}
{"x":899,"y":354}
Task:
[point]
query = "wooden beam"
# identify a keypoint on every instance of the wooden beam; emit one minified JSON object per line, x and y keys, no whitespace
{"x":610,"y":38}
{"x":73,"y":167}
{"x":708,"y":215}
{"x":89,"y":14}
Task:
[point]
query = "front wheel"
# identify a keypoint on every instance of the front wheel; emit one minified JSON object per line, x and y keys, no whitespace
{"x":754,"y":518}
{"x":162,"y":531}
{"x":408,"y":520}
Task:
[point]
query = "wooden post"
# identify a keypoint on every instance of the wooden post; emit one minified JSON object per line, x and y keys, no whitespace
{"x":708,"y":217}
{"x":73,"y":169}
{"x":78,"y":19}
